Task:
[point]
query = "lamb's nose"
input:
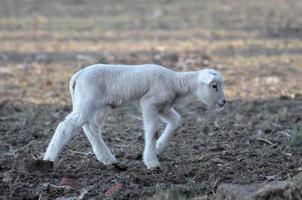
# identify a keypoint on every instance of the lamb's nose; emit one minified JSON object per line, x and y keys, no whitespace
{"x":223,"y":101}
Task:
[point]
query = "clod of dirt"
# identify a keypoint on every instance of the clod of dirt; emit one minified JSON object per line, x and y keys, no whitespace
{"x":69,"y":182}
{"x":235,"y":192}
{"x":50,"y":191}
{"x":277,"y":190}
{"x":114,"y":189}
{"x":39,"y":165}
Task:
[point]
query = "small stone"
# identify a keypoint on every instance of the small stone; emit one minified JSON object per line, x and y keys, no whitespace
{"x":114,"y":189}
{"x":235,"y":192}
{"x":285,"y":190}
{"x":69,"y":182}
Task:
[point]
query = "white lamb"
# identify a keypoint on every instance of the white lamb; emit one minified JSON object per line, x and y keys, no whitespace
{"x":98,"y":88}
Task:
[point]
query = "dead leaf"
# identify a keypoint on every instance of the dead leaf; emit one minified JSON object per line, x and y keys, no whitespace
{"x":69,"y":182}
{"x":114,"y":189}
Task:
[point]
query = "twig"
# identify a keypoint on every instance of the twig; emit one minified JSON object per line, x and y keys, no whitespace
{"x":59,"y":186}
{"x":76,"y":146}
{"x":265,"y":140}
{"x":81,"y":153}
{"x":34,"y":157}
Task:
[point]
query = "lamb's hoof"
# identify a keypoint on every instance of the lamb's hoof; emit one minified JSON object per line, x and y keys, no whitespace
{"x":49,"y":158}
{"x":109,"y":161}
{"x":152,"y":164}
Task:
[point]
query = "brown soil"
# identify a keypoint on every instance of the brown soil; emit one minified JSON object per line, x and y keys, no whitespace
{"x":209,"y":149}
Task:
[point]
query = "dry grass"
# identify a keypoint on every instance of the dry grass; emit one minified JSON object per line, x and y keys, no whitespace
{"x":40,"y":51}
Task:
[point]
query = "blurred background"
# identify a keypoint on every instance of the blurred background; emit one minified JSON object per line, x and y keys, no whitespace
{"x":256,"y":45}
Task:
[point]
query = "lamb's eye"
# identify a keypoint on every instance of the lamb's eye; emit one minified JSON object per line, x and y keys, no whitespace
{"x":214,"y":86}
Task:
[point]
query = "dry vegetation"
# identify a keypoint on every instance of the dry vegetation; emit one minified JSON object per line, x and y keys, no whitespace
{"x":257,"y":45}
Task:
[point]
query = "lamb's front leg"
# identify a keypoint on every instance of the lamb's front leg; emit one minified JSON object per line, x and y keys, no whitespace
{"x":173,"y":120}
{"x":150,"y":117}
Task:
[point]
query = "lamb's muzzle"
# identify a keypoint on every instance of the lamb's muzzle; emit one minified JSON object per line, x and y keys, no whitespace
{"x":97,"y":88}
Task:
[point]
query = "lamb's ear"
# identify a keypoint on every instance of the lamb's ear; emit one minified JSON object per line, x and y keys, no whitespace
{"x":206,"y":76}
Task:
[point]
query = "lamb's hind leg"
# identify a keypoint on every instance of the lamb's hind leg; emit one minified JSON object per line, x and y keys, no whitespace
{"x":64,"y":132}
{"x":150,"y":117}
{"x":173,"y":120}
{"x":93,"y":132}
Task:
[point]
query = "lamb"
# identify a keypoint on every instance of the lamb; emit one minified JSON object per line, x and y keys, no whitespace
{"x":98,"y":88}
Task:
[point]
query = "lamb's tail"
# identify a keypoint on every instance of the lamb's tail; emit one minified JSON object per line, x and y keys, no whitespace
{"x":72,"y":85}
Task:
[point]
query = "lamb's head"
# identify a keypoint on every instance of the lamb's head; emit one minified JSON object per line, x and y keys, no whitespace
{"x":210,"y":88}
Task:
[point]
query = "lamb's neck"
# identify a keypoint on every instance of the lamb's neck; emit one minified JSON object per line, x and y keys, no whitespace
{"x":186,"y":83}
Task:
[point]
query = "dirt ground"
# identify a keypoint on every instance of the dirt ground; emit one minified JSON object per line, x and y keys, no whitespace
{"x":256,"y":45}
